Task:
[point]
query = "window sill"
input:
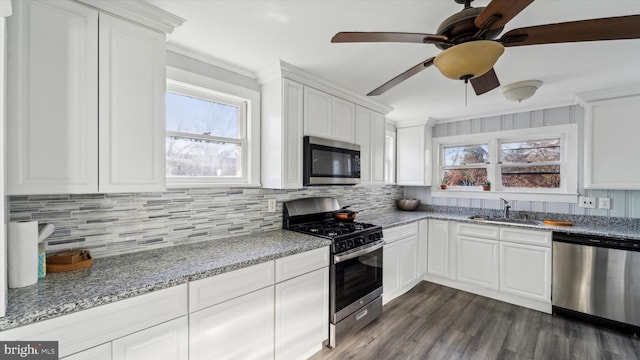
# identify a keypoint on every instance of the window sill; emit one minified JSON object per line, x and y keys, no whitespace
{"x":509,"y":195}
{"x":186,"y":185}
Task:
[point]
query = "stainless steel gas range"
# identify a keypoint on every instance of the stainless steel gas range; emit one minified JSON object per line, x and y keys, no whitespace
{"x":356,"y":263}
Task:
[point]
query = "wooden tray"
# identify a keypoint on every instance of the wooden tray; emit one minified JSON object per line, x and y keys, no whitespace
{"x":54,"y":268}
{"x":558,"y":223}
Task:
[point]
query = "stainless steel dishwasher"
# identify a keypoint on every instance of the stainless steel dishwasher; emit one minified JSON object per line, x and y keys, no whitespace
{"x":597,"y":278}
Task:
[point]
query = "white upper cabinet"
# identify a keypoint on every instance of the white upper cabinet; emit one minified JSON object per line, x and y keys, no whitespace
{"x":52,"y":124}
{"x":281,"y":151}
{"x":611,"y":129}
{"x":413,"y":159}
{"x":327,"y":116}
{"x":86,"y":101}
{"x":132,"y":120}
{"x":370,"y":135}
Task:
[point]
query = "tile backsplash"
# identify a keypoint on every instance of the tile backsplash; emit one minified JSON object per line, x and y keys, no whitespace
{"x":112,"y":224}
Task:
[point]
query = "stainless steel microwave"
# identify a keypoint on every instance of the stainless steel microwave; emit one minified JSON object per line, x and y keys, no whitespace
{"x":330,"y":162}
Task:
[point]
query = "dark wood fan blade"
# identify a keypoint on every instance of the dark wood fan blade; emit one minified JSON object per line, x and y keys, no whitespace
{"x":485,"y":83}
{"x":501,"y":12}
{"x":343,"y":37}
{"x":402,"y":77}
{"x":612,"y":28}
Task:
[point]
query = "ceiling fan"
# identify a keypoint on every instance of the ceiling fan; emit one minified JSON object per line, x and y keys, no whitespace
{"x":471,"y":47}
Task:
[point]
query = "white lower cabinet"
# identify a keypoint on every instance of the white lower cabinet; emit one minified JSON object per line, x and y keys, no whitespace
{"x":167,"y":341}
{"x":477,"y":261}
{"x":400,"y":261}
{"x":507,"y":263}
{"x":100,"y":352}
{"x":525,"y":270}
{"x":438,"y":248}
{"x":301,"y":315}
{"x":241,"y":328}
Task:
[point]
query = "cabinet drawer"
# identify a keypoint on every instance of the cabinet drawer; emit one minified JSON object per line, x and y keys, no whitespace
{"x":400,"y":232}
{"x":295,"y":265}
{"x":216,"y":289}
{"x":525,"y":236}
{"x":481,"y":231}
{"x":84,"y":329}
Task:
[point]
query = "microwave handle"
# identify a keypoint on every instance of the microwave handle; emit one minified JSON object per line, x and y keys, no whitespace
{"x":369,"y":249}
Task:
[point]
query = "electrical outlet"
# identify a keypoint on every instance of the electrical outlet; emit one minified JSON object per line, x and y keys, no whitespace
{"x":587,"y":202}
{"x":604,"y":203}
{"x":271,"y":205}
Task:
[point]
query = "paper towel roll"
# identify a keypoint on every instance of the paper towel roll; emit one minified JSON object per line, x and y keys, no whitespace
{"x":22,"y":251}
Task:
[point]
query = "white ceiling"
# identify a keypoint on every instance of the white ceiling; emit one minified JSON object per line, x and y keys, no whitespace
{"x":252,"y":34}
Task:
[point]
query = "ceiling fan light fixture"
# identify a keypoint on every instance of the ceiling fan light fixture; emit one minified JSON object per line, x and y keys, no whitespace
{"x":521,"y":90}
{"x":468,"y":60}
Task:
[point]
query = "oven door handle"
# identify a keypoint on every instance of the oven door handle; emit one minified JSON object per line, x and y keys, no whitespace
{"x":375,"y":246}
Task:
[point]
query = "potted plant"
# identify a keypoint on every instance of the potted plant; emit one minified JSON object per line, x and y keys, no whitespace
{"x":486,"y":185}
{"x":444,"y":181}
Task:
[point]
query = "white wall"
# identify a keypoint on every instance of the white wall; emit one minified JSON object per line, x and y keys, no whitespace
{"x":624,"y":203}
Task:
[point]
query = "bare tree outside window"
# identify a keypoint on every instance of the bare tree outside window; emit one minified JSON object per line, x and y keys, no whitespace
{"x":530,"y":164}
{"x":466,"y":165}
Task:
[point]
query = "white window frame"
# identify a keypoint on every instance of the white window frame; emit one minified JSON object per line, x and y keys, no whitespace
{"x":567,"y":192}
{"x":199,"y":86}
{"x":442,"y":168}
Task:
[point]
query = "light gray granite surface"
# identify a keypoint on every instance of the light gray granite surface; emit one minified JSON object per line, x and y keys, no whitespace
{"x":119,"y":277}
{"x":590,"y":225}
{"x":116,"y":278}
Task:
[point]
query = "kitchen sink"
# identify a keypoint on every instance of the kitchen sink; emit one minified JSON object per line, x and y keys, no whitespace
{"x":502,"y":220}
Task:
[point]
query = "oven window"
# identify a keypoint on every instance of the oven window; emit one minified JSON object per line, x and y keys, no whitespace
{"x":357,"y":277}
{"x":331,"y":163}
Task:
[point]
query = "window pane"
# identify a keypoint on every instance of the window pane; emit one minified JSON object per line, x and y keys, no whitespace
{"x":198,"y":116}
{"x":466,"y":155}
{"x":531,"y":151}
{"x":465,"y":177}
{"x":531,"y":176}
{"x":187,"y":157}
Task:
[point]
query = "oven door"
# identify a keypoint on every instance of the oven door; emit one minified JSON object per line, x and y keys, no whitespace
{"x":329,"y":162}
{"x":356,"y":279}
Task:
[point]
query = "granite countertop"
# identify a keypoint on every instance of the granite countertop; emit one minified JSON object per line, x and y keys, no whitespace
{"x":597,"y":226}
{"x":116,"y":278}
{"x":120,"y":277}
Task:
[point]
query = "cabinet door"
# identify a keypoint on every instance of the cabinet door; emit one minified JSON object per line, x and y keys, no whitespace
{"x":363,"y":138}
{"x":413,"y":155}
{"x":477,"y":261}
{"x":525,"y":270}
{"x":302,"y":315}
{"x":132,"y":122}
{"x":343,"y":125}
{"x":400,"y":270}
{"x":378,"y":131}
{"x":438,"y":248}
{"x":318,"y":113}
{"x":423,"y":235}
{"x":390,"y":270}
{"x":611,"y":126}
{"x":292,"y":105}
{"x":165,"y":341}
{"x":100,"y":352}
{"x":52,"y":123}
{"x":241,"y":328}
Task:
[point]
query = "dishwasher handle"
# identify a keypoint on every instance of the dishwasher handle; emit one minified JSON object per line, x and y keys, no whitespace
{"x":597,"y":241}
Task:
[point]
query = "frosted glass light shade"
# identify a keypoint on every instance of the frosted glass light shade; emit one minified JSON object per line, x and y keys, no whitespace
{"x":468,"y":60}
{"x":521,"y":90}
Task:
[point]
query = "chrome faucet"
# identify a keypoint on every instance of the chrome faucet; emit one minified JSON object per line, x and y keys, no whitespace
{"x":507,"y":206}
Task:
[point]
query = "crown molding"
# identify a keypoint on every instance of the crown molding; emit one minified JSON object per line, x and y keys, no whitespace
{"x":286,"y":70}
{"x":604,"y":94}
{"x":140,"y":12}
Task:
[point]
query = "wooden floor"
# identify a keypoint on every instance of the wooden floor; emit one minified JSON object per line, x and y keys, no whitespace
{"x":437,"y":322}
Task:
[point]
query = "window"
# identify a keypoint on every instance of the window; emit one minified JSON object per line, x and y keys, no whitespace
{"x":529,"y":162}
{"x":465,"y":165}
{"x":207,"y":137}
